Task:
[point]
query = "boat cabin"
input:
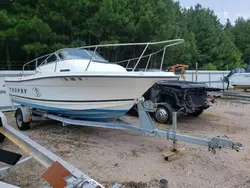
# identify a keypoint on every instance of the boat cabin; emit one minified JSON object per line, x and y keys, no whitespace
{"x":76,"y":60}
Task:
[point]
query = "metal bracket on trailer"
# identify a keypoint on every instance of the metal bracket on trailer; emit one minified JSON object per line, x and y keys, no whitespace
{"x":148,"y":127}
{"x":75,"y":178}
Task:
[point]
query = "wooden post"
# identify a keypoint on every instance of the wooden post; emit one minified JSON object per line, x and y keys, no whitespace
{"x":223,"y":83}
{"x":196,"y":71}
{"x":209,"y":76}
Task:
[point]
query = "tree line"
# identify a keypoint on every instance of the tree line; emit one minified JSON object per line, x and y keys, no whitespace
{"x":31,"y":28}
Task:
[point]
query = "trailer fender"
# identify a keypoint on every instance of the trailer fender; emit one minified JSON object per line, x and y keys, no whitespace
{"x":26,"y":114}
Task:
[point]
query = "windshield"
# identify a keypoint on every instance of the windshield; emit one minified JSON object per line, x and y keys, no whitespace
{"x":95,"y":55}
{"x":80,"y":54}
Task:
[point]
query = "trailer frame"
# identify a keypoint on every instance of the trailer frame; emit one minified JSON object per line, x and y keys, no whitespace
{"x":146,"y":126}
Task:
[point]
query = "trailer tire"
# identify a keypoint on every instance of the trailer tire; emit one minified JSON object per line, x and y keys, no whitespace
{"x":21,"y":125}
{"x":196,"y":113}
{"x":163,"y":114}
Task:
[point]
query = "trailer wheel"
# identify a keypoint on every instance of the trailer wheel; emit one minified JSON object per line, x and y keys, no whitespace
{"x":163,"y":114}
{"x":196,"y":113}
{"x":21,"y":125}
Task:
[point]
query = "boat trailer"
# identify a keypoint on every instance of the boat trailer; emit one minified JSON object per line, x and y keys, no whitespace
{"x":146,"y":127}
{"x":62,"y":174}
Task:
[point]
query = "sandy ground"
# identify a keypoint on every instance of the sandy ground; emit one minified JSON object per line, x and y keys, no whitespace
{"x":135,"y":160}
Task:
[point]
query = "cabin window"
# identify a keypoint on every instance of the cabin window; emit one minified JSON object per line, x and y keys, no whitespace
{"x":60,"y":55}
{"x":73,"y":53}
{"x":51,"y":59}
{"x":96,"y":56}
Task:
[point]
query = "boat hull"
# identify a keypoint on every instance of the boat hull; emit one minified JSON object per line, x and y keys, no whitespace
{"x":240,"y":80}
{"x":91,"y":98}
{"x":103,"y":111}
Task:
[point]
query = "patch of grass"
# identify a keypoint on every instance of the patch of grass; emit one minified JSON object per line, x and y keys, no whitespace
{"x":135,"y":153}
{"x":9,"y":113}
{"x":208,"y":114}
{"x":247,"y":182}
{"x":224,"y":99}
{"x":134,"y":184}
{"x":163,"y":126}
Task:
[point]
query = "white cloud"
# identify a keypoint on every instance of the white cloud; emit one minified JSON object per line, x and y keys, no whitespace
{"x":218,"y":14}
{"x":225,"y":14}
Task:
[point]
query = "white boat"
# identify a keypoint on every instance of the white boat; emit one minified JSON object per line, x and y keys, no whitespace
{"x":80,"y":83}
{"x":238,"y":78}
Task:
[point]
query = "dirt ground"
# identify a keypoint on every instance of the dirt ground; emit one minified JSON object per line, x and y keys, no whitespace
{"x":115,"y":156}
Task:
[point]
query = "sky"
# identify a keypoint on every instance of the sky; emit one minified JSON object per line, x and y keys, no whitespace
{"x":223,"y":8}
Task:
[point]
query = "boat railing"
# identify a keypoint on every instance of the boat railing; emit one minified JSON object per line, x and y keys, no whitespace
{"x":147,"y":44}
{"x":132,"y":59}
{"x":36,"y":61}
{"x":168,"y":43}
